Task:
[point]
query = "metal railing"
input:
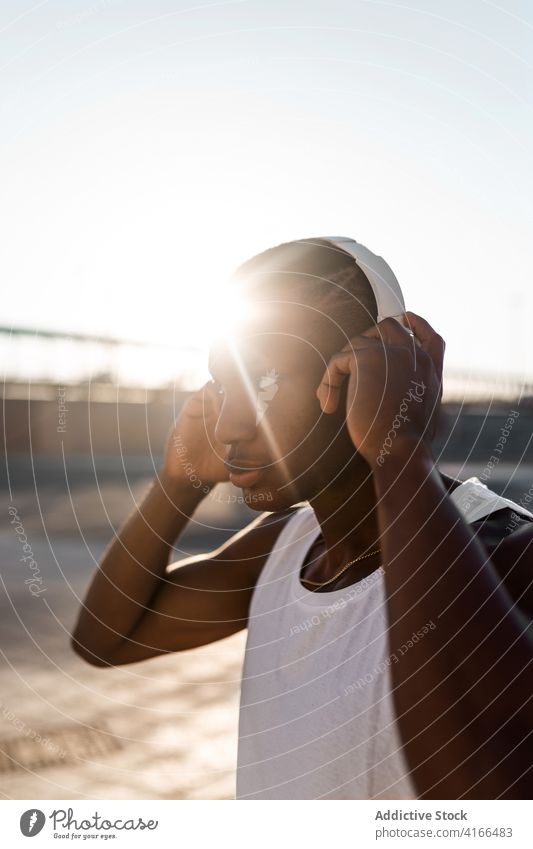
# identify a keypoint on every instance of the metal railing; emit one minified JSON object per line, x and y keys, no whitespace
{"x":106,"y":356}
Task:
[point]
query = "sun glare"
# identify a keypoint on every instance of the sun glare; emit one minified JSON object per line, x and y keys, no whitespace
{"x":225,"y":314}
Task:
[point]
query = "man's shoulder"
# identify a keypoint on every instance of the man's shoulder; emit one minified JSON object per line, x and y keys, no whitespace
{"x":508,"y":540}
{"x":279,"y":518}
{"x":493,"y":515}
{"x":499,"y":525}
{"x":256,"y":540}
{"x":505,"y":528}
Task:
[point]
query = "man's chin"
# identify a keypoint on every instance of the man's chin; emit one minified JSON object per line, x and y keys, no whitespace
{"x":265,"y":498}
{"x":258,"y":499}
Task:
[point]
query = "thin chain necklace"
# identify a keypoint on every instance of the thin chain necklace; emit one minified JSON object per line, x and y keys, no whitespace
{"x":355,"y":560}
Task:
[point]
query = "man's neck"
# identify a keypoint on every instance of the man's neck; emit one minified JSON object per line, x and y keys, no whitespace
{"x":347,"y":515}
{"x":348,"y":519}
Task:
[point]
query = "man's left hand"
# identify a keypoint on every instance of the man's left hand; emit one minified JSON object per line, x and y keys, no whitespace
{"x":394,"y":389}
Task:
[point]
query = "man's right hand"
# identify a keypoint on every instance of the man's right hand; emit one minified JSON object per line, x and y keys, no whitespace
{"x":193,"y":456}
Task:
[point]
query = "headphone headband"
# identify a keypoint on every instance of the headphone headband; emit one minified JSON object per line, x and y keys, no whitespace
{"x":387,"y":291}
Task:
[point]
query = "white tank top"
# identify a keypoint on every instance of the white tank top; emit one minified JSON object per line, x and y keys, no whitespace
{"x":316,"y":713}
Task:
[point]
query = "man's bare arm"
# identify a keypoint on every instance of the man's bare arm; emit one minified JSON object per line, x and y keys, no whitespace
{"x":205,"y":598}
{"x":139,"y":607}
{"x":133,"y":608}
{"x":463,"y":691}
{"x":131,"y":569}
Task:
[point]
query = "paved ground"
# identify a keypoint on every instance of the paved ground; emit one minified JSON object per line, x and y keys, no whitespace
{"x":175,"y":717}
{"x":164,"y":728}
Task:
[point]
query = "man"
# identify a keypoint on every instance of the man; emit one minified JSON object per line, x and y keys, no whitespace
{"x":387,"y":604}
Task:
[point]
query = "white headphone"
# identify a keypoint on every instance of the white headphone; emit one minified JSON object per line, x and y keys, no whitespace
{"x":389,"y":297}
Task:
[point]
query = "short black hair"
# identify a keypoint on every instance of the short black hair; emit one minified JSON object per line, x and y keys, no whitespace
{"x":316,"y":273}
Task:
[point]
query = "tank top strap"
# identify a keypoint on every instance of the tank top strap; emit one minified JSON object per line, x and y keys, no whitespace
{"x":291,"y":545}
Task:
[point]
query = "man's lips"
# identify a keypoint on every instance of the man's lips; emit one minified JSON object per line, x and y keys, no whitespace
{"x":244,"y":475}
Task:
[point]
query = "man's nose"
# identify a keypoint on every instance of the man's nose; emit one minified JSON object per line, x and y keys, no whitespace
{"x":237,"y":419}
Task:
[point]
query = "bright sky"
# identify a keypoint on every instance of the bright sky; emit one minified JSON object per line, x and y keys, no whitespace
{"x":149,"y":147}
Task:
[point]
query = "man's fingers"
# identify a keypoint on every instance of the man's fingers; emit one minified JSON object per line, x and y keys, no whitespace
{"x":418,"y":325}
{"x":413,"y":331}
{"x":328,"y":392}
{"x":204,"y":403}
{"x":431,"y":342}
{"x":389,"y":331}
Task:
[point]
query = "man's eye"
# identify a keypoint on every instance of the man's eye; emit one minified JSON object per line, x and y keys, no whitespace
{"x":260,"y":381}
